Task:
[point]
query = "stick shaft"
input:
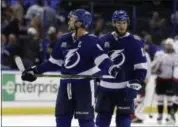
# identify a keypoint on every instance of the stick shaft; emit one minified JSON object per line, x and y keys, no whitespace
{"x":73,"y":76}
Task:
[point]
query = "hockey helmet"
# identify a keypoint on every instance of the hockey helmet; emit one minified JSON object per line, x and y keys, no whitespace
{"x":83,"y":16}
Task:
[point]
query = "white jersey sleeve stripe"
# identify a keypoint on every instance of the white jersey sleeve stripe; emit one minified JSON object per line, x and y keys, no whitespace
{"x":141,"y":66}
{"x":100,"y":59}
{"x":90,"y":71}
{"x":113,"y":85}
{"x":57,"y":62}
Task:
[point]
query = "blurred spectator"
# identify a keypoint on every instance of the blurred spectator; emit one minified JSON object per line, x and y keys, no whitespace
{"x":35,"y":10}
{"x":4,"y":22}
{"x":30,"y":48}
{"x":174,"y":18}
{"x":3,"y":43}
{"x":99,"y":25}
{"x":52,"y":38}
{"x":156,"y":2}
{"x":12,"y":39}
{"x":50,"y":18}
{"x":12,"y":26}
{"x":156,"y":21}
{"x":36,"y":23}
{"x":149,"y":46}
{"x":18,"y":11}
{"x":3,"y":40}
{"x":3,"y":4}
{"x":11,"y":49}
{"x":157,"y":28}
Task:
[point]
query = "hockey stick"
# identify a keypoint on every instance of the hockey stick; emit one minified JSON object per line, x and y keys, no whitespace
{"x":151,"y":105}
{"x":74,"y":76}
{"x":21,"y":67}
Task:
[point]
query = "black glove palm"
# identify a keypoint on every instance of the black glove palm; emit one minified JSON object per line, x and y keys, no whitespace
{"x":29,"y":74}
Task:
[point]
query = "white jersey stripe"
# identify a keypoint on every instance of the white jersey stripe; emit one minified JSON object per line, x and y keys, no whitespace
{"x":100,"y":59}
{"x":111,"y":85}
{"x":92,"y":92}
{"x":90,"y":71}
{"x":57,"y":62}
{"x":141,"y":66}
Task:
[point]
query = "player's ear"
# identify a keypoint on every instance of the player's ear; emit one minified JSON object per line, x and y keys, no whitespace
{"x":78,"y":24}
{"x":113,"y":23}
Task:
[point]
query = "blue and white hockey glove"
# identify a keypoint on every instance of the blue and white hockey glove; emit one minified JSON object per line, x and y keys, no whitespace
{"x":132,"y":89}
{"x":29,"y":74}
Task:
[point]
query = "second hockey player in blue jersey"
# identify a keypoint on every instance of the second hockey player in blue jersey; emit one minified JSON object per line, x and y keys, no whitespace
{"x":76,"y":53}
{"x":126,"y":52}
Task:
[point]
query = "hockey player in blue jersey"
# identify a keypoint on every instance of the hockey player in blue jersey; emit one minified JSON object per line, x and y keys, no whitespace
{"x":76,"y":53}
{"x":126,"y":52}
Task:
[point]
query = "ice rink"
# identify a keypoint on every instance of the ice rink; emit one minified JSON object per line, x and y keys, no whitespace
{"x":49,"y":120}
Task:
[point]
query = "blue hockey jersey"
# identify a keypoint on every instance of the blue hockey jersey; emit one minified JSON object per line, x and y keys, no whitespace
{"x":127,"y":53}
{"x":83,"y":56}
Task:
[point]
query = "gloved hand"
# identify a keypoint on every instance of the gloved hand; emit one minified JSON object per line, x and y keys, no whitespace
{"x":132,"y":89}
{"x":29,"y":74}
{"x":117,"y":72}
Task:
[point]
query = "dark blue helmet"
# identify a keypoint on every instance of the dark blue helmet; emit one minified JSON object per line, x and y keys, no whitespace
{"x":120,"y":15}
{"x":82,"y":15}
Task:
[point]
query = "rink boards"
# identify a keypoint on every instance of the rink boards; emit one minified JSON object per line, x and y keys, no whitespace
{"x":19,"y":97}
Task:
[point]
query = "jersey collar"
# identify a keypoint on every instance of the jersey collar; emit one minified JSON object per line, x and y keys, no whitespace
{"x":73,"y":36}
{"x":116,"y":36}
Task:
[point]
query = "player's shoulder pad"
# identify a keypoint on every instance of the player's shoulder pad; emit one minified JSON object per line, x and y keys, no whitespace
{"x":63,"y":38}
{"x":105,"y":37}
{"x":66,"y":35}
{"x":136,"y":37}
{"x":137,"y":40}
{"x":92,"y":35}
{"x":91,"y":39}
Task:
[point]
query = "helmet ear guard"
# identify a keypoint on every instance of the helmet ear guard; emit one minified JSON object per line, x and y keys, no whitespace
{"x":78,"y":24}
{"x":113,"y":23}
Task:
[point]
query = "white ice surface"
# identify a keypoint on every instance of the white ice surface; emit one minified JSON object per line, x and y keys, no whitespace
{"x":49,"y":120}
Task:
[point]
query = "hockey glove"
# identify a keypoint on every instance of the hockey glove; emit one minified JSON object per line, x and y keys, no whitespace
{"x":117,"y":72}
{"x":29,"y":74}
{"x":132,"y":89}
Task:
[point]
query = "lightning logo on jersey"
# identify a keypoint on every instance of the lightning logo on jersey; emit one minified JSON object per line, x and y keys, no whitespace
{"x":72,"y":58}
{"x":117,"y":56}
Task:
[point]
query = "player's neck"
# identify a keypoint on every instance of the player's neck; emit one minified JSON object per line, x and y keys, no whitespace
{"x":81,"y":32}
{"x":119,"y":35}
